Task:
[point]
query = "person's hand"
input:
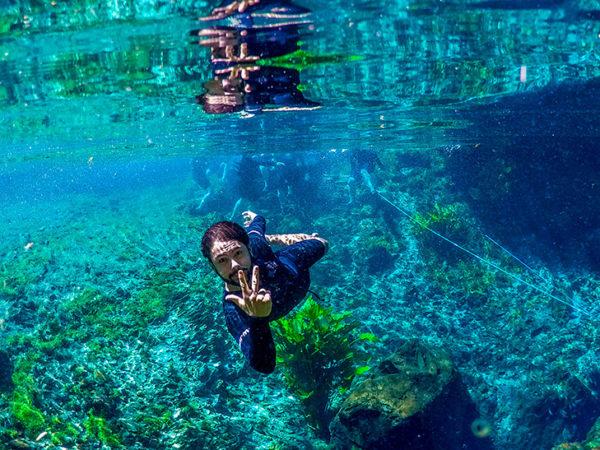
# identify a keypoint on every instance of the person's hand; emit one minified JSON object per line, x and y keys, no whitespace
{"x":248,"y":217}
{"x":254,"y":301}
{"x":232,"y":8}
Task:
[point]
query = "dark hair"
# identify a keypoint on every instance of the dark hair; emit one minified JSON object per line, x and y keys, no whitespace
{"x":223,"y":231}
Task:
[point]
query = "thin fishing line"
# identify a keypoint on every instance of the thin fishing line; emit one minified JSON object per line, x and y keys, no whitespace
{"x":514,"y":257}
{"x":485,"y":261}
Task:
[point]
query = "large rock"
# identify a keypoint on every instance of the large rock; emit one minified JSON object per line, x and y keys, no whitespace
{"x":593,"y":437}
{"x":563,"y":411}
{"x":413,"y":400}
{"x":592,"y":441}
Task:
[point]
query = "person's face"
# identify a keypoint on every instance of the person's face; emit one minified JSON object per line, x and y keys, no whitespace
{"x":228,"y":257}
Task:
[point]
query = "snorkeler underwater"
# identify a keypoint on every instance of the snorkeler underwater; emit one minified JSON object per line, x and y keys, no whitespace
{"x":285,"y":224}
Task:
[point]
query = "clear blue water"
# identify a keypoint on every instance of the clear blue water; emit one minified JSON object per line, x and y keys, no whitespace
{"x":478,"y":121}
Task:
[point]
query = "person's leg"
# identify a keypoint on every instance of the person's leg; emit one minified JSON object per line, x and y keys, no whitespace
{"x":299,"y":257}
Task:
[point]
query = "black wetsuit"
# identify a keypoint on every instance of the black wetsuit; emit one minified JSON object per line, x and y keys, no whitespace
{"x":275,"y":86}
{"x":285,"y":274}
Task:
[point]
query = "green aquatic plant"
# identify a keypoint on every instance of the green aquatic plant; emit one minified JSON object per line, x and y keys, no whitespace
{"x":149,"y":423}
{"x":374,"y":248}
{"x":8,"y":21}
{"x":440,"y":216}
{"x":92,"y":313}
{"x":472,"y":280}
{"x":319,"y":352}
{"x":302,"y":59}
{"x":147,"y":306}
{"x":23,"y":411}
{"x":27,"y":415}
{"x":98,"y":428}
{"x":449,"y":221}
{"x":476,"y":279}
{"x":63,"y":433}
{"x":19,"y":270}
{"x":152,"y":425}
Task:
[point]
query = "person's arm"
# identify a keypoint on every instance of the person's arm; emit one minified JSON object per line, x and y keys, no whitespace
{"x":254,"y":223}
{"x":253,"y":337}
{"x":247,"y":321}
{"x":288,"y":239}
{"x":255,"y":227}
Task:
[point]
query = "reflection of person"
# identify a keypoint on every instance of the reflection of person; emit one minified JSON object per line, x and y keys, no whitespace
{"x":241,"y":80}
{"x":260,"y":285}
{"x":264,"y":41}
{"x":270,"y":9}
{"x":255,"y":89}
{"x":222,"y":96}
{"x":275,"y":89}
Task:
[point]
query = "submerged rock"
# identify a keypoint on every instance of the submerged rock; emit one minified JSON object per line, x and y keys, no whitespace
{"x":562,"y":411}
{"x":415,"y":399}
{"x":592,"y":440}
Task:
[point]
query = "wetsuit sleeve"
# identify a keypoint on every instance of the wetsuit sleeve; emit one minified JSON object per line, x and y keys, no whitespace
{"x":253,"y":337}
{"x":259,"y":246}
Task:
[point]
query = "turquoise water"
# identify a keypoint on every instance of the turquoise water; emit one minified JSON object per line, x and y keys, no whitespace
{"x":475,"y":121}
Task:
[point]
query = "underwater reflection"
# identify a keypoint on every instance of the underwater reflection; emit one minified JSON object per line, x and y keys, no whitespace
{"x":247,"y":55}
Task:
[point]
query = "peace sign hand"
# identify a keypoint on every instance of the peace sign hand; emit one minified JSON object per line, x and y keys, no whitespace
{"x":254,"y":301}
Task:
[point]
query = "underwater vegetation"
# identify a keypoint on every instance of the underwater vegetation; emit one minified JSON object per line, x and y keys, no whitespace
{"x":22,"y":407}
{"x":92,"y":319}
{"x":98,"y":428}
{"x":19,"y":271}
{"x":302,"y":59}
{"x":374,"y":247}
{"x":449,"y":266}
{"x":71,"y":349}
{"x":320,"y":352}
{"x":110,"y":328}
{"x":449,"y":221}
